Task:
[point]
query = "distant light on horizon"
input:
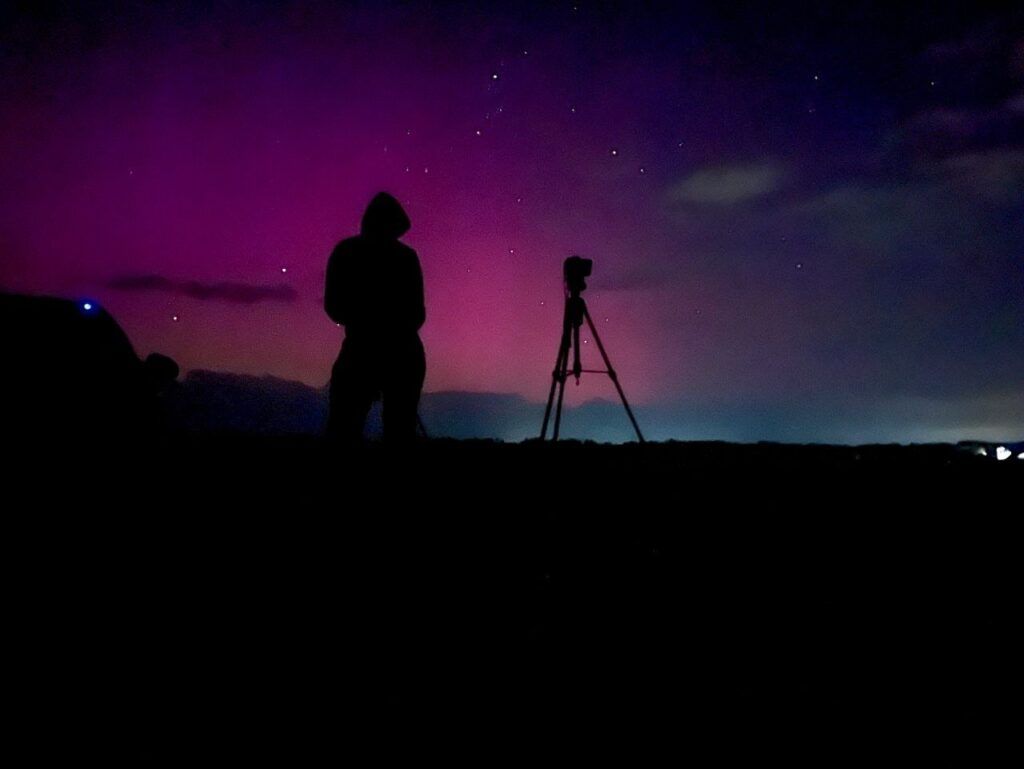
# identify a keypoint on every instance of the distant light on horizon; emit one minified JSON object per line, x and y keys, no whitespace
{"x":1003,"y":453}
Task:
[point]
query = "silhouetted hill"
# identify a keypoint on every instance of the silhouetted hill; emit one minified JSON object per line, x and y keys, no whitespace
{"x":210,"y":401}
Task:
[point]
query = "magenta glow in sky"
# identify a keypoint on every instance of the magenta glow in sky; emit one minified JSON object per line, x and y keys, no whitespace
{"x":775,"y":217}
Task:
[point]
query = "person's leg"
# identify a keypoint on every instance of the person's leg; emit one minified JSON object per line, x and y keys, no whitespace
{"x":402,"y":393}
{"x":351,"y":396}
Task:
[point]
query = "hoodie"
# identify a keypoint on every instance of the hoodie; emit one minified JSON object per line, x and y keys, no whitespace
{"x":374,"y":282}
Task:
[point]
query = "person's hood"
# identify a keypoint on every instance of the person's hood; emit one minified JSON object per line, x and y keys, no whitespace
{"x":385,"y":218}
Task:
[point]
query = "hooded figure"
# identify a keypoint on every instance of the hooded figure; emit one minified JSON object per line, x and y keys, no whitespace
{"x":375,"y":290}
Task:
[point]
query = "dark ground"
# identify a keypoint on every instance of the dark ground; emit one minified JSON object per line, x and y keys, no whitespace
{"x":227,"y":598}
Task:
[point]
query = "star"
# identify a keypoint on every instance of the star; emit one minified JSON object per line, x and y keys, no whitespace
{"x":478,"y":132}
{"x":643,"y":170}
{"x":174,"y":318}
{"x":614,"y":152}
{"x":284,"y":269}
{"x":494,"y":76}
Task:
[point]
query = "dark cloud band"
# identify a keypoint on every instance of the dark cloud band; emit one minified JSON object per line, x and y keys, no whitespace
{"x":236,"y":293}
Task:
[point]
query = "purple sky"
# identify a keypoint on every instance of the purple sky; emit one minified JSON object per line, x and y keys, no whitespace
{"x":810,"y":219}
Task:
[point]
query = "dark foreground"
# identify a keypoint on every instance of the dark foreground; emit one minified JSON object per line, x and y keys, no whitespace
{"x":226,"y":598}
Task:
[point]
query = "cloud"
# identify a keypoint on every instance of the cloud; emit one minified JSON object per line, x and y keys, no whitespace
{"x":899,"y":280}
{"x":235,"y":293}
{"x":727,"y":185}
{"x":975,"y":99}
{"x":945,"y":130}
{"x":922,"y":275}
{"x":981,"y":42}
{"x":996,"y":175}
{"x":957,"y":182}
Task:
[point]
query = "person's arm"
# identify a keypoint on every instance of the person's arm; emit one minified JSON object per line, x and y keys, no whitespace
{"x":419,"y":303}
{"x":334,"y":289}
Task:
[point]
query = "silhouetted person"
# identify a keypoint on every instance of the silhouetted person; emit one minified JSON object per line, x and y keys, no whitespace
{"x":375,"y":290}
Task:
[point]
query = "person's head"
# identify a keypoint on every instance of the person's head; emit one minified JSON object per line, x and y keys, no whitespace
{"x":385,"y":218}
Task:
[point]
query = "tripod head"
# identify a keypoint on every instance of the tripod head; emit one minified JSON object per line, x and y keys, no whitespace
{"x":575,"y":270}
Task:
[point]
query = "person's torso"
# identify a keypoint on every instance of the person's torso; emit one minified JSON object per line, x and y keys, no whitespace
{"x":382,"y":288}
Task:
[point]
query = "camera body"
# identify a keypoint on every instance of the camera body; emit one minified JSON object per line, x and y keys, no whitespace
{"x":576,"y":270}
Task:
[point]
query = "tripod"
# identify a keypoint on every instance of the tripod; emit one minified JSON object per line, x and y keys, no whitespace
{"x":575,"y":313}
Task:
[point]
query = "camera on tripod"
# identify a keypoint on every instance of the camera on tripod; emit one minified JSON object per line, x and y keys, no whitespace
{"x":575,"y":270}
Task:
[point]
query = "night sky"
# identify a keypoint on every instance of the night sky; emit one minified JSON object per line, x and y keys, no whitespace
{"x":807,"y":221}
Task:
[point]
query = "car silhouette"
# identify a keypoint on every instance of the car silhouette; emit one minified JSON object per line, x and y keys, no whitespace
{"x":70,"y":373}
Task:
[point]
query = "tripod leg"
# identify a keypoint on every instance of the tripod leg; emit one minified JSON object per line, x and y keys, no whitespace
{"x":611,"y":373}
{"x":561,"y":393}
{"x":557,"y":375}
{"x":577,"y":367}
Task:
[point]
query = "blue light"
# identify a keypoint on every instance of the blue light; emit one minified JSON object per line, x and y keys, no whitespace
{"x":86,"y":306}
